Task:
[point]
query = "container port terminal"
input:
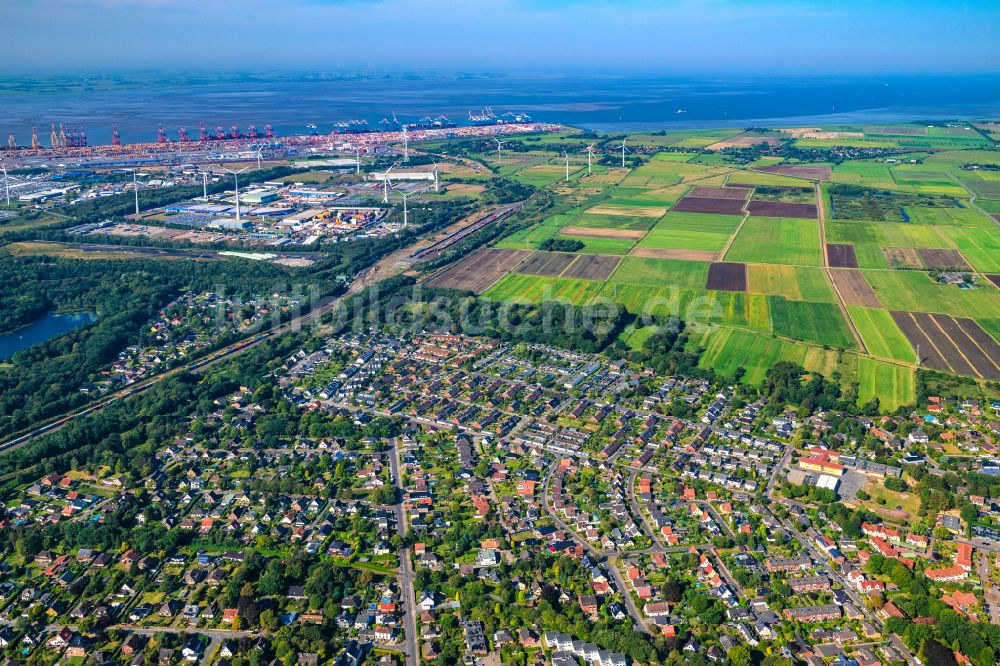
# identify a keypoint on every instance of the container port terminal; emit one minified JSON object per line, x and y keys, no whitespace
{"x":69,"y":144}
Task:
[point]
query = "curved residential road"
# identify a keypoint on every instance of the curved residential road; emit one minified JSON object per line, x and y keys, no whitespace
{"x":598,"y":556}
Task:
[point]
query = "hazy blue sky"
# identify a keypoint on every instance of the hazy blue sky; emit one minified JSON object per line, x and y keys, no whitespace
{"x":595,"y":36}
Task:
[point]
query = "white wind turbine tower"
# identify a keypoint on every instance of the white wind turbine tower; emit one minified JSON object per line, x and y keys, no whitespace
{"x":590,"y":155}
{"x":204,"y":184}
{"x":566,"y":156}
{"x":236,"y":178}
{"x":406,"y":219}
{"x":259,"y":148}
{"x":499,"y":145}
{"x":6,"y":182}
{"x":135,"y":188}
{"x":357,"y":159}
{"x":385,"y":185}
{"x":437,"y":178}
{"x":406,"y":145}
{"x":623,"y":152}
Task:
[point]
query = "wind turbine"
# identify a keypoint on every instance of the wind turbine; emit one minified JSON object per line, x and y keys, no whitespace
{"x":204,"y":184}
{"x":385,"y":185}
{"x":499,"y":145}
{"x":357,"y":159}
{"x":623,"y":152}
{"x":590,"y":155}
{"x":135,"y":188}
{"x":259,"y":148}
{"x":437,"y":178}
{"x":406,"y":145}
{"x":406,"y":219}
{"x":6,"y":183}
{"x":566,"y":155}
{"x":236,"y":178}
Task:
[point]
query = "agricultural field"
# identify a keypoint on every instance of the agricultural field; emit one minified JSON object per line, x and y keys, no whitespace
{"x":957,"y":345}
{"x":820,"y":323}
{"x":881,"y":335}
{"x":893,"y":385}
{"x":739,"y":252}
{"x":776,"y":240}
{"x":662,"y":273}
{"x":478,"y":271}
{"x":981,"y":247}
{"x":598,"y":245}
{"x":727,"y":349}
{"x":691,"y":231}
{"x":535,"y":235}
{"x":797,"y":283}
{"x":915,"y":291}
{"x":531,"y":289}
{"x":954,"y":217}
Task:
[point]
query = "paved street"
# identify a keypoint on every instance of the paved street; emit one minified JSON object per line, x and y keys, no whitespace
{"x":406,"y":574}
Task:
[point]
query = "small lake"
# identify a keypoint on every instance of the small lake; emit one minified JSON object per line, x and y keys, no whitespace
{"x":44,"y":328}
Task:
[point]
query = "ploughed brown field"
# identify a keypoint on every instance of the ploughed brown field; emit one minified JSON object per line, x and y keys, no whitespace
{"x":995,"y":279}
{"x":727,"y":276}
{"x":719,"y":192}
{"x":782,"y":209}
{"x":478,"y":271}
{"x":902,"y":257}
{"x":854,"y":289}
{"x":996,"y":216}
{"x":810,"y":172}
{"x":709,"y":205}
{"x":664,"y":253}
{"x":592,"y":267}
{"x":546,"y":263}
{"x":942,"y":258}
{"x":841,"y":255}
{"x":952,"y":344}
{"x":597,"y":232}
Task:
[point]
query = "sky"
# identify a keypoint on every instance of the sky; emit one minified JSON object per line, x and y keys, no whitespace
{"x":613,"y":37}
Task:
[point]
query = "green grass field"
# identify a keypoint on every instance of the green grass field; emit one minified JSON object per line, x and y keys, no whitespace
{"x":691,"y":231}
{"x":662,"y":273}
{"x":981,"y":247}
{"x":600,"y":221}
{"x":915,"y":291}
{"x":880,"y":334}
{"x":534,"y":289}
{"x":885,"y":234}
{"x":797,"y":283}
{"x":955,"y":217}
{"x":776,"y":240}
{"x":893,"y":385}
{"x":727,"y":349}
{"x":618,"y":246}
{"x":532,"y":237}
{"x":820,"y":323}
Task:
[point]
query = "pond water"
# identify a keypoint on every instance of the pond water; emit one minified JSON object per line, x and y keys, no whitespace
{"x":46,"y":327}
